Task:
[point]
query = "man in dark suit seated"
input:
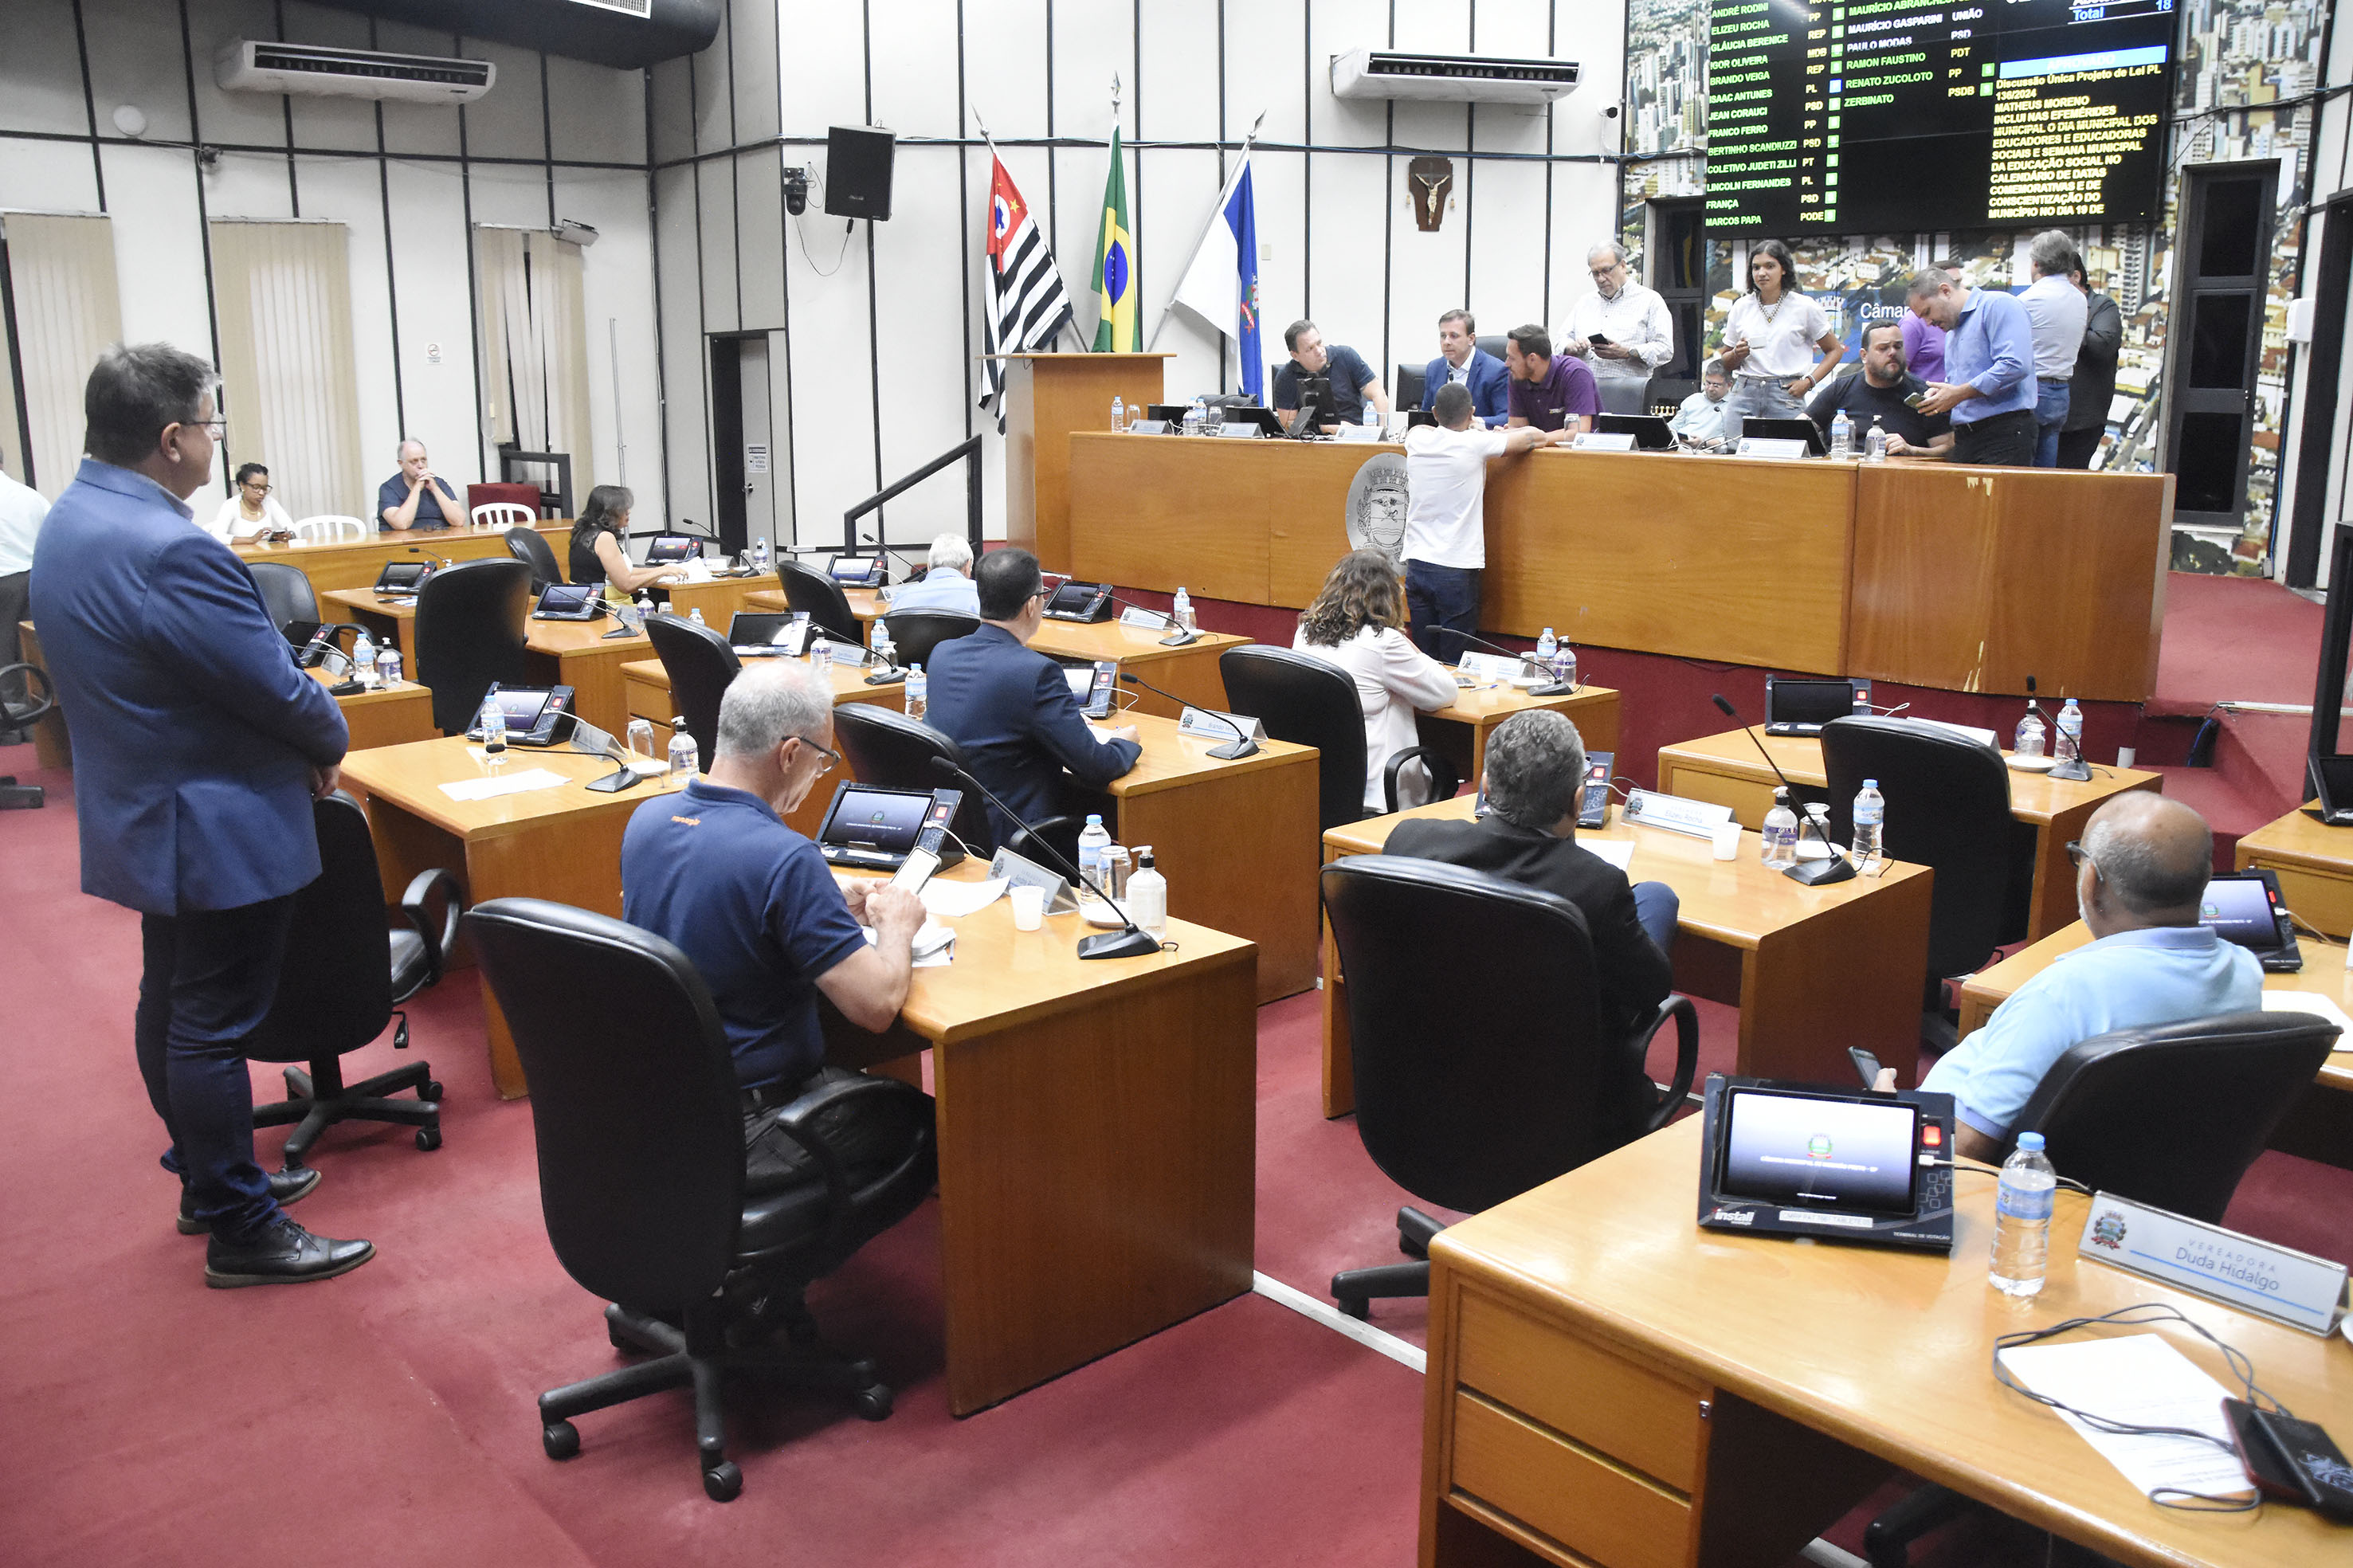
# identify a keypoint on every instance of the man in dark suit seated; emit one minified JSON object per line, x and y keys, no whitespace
{"x":1534,"y":772}
{"x":198,"y":744}
{"x":1013,"y":710}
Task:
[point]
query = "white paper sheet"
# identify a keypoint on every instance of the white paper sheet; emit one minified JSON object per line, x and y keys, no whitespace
{"x":1618,"y":852}
{"x":949,"y":900}
{"x":2312,"y":1002}
{"x":934,"y":943}
{"x":504,"y":783}
{"x":2144,"y":1379}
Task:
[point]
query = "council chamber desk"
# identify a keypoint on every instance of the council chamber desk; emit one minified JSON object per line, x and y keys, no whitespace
{"x":586,"y":656}
{"x":1609,"y":1386}
{"x":1726,"y":769}
{"x":1812,"y":970}
{"x":2314,"y":863}
{"x":1899,"y":571}
{"x":356,"y":563}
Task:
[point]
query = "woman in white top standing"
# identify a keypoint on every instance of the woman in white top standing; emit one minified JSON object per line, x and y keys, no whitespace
{"x":1769,"y":339}
{"x":1357,"y":622}
{"x":251,"y":513}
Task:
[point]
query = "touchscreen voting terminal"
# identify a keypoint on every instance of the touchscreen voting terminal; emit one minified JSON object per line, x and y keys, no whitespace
{"x":1593,"y":796}
{"x":1076,"y":601}
{"x":876,"y":829}
{"x":570,"y":602}
{"x":535,"y":715}
{"x":2245,"y":907}
{"x":860,"y":571}
{"x":669,"y":549}
{"x":762,"y":634}
{"x":1799,"y":706}
{"x":402,"y":576}
{"x":1795,"y":1160}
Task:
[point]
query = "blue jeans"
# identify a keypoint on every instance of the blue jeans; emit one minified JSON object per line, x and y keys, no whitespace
{"x":207,"y":979}
{"x":1441,"y":598}
{"x":2050,"y":413}
{"x":1656,"y":906}
{"x":1759,"y":397}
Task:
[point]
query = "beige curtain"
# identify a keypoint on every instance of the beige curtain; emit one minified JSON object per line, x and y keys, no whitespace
{"x":287,"y":382}
{"x":61,"y":270}
{"x":534,"y":344}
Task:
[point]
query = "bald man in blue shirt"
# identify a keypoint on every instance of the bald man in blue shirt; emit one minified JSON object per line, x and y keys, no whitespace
{"x":1990,"y":387}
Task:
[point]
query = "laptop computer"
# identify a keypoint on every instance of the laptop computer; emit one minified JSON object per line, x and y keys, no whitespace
{"x":2245,"y":907}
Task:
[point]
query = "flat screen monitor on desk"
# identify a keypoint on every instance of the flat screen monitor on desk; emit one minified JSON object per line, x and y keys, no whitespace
{"x":763,"y":633}
{"x":1316,"y":404}
{"x":1791,"y":1160}
{"x":1804,"y":430}
{"x":2331,"y":759}
{"x":1650,"y":432}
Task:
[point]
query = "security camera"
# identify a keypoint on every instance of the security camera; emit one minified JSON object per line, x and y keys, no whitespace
{"x":1611,"y":110}
{"x":796,"y":191}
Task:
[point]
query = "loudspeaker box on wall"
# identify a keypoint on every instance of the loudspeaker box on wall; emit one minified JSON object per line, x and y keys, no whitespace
{"x":857,"y":171}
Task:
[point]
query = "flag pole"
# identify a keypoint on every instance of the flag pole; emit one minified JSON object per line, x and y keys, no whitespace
{"x":1223,"y":195}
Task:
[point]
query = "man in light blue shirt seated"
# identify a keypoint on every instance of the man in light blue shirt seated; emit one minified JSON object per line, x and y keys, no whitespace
{"x":1700,"y":419}
{"x":2141,"y":871}
{"x":947,"y":580}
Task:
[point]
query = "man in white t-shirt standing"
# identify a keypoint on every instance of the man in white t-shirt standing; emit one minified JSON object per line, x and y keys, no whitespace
{"x":1446,"y":517}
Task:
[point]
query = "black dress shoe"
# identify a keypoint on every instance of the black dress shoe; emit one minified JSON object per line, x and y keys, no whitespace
{"x":285,"y":1254}
{"x":285,"y":1186}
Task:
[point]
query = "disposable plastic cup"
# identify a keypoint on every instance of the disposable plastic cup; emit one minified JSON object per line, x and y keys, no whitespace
{"x":1029,"y":908}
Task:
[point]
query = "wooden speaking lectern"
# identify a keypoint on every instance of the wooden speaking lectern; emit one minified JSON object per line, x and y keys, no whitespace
{"x":1046,"y":397}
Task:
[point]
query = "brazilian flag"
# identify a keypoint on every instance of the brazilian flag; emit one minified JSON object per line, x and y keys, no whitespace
{"x":1117,"y":332}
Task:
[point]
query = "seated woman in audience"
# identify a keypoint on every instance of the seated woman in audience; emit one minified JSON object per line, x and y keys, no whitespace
{"x":251,"y":512}
{"x":600,"y":546}
{"x":1358,"y":623}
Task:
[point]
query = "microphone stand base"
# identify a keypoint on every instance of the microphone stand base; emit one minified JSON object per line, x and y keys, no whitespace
{"x":1132,"y":943}
{"x":1822,"y":873}
{"x":1554,"y":689}
{"x":2076,"y":772}
{"x":1180,"y":639}
{"x":1233,"y":749}
{"x":890,"y":677}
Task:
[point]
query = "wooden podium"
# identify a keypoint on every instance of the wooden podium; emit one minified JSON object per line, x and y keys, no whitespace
{"x":1046,"y":397}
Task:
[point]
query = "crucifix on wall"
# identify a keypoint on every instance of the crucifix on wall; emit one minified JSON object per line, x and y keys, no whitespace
{"x":1429,"y":180}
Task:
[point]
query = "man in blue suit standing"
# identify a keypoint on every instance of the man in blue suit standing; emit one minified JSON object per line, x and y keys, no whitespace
{"x":198,"y":745}
{"x":1460,"y":358}
{"x":1012,"y":710}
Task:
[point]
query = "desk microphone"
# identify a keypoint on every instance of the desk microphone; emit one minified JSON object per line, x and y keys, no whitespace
{"x":1550,"y":688}
{"x":1178,"y":636}
{"x":1837,"y":869}
{"x":1241,"y":745}
{"x":876,"y":540}
{"x":1132,"y":943}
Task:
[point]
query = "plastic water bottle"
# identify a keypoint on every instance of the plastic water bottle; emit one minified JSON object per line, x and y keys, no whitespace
{"x":1563,"y":664}
{"x":2021,"y":1219}
{"x":760,"y":554}
{"x":695,"y":614}
{"x":1184,"y":610}
{"x":1842,"y":436}
{"x":885,"y":649}
{"x":685,"y":757}
{"x":1118,"y":412}
{"x":494,"y":726}
{"x":363,"y":660}
{"x":1147,"y":895}
{"x":1874,"y":444}
{"x":1869,"y":823}
{"x":387,"y":667}
{"x":1546,"y":646}
{"x":821,"y":659}
{"x":2030,"y":732}
{"x":1196,"y":414}
{"x":919,"y":692}
{"x":1372,"y":415}
{"x":1092,"y":841}
{"x":1780,"y":833}
{"x":2068,"y":746}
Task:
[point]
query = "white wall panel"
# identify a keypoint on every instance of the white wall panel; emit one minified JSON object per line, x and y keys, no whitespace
{"x":673,"y":115}
{"x":1512,"y":26}
{"x":1265,"y":72}
{"x":715,"y":201}
{"x":914,"y":81}
{"x":159,"y":247}
{"x":248,"y":185}
{"x":1005,"y":71}
{"x":752,"y":45}
{"x":507,"y":122}
{"x":513,"y":195}
{"x":44,"y":70}
{"x":250,"y":117}
{"x":150,"y":76}
{"x":429,"y":268}
{"x":1179,"y":100}
{"x":820,"y":71}
{"x":685,"y":363}
{"x":47,"y":176}
{"x":920,"y":334}
{"x":1507,"y":252}
{"x":832,"y":383}
{"x":715,"y":95}
{"x":616,"y":284}
{"x":760,"y":235}
{"x":599,"y":115}
{"x":345,"y":190}
{"x":1336,"y":27}
{"x":344,"y":123}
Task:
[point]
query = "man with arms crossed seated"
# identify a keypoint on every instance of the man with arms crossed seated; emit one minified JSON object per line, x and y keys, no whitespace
{"x":753,"y":906}
{"x":1876,"y":390}
{"x":1534,"y":772}
{"x":2140,"y":873}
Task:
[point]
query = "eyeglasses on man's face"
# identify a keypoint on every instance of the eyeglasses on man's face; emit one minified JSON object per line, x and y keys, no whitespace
{"x":827,"y":755}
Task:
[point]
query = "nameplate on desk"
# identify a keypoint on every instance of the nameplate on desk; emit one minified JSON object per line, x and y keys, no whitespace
{"x":846,"y":653}
{"x":1603,"y":441}
{"x":1242,"y":430}
{"x":1362,"y":433}
{"x":1208,"y":724}
{"x":1017,"y":871}
{"x":1143,"y":620}
{"x":1675,"y":814}
{"x":1490,"y":666}
{"x":2292,"y":1287}
{"x":1767,"y":446}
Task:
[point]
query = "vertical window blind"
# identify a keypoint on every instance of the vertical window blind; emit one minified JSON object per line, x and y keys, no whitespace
{"x":66,"y":311}
{"x":283,"y":291}
{"x":534,"y":344}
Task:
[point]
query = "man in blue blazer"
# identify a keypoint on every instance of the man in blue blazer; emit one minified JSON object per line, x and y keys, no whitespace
{"x":1012,"y":710}
{"x":198,"y":745}
{"x":1460,"y":358}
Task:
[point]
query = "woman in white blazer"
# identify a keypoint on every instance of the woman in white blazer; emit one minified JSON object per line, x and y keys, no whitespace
{"x":1357,"y":622}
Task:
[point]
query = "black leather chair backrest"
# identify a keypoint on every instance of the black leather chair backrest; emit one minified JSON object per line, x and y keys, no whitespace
{"x":285,"y":590}
{"x":530,"y":546}
{"x":1947,"y":807}
{"x":887,"y":749}
{"x":472,"y":619}
{"x":1474,"y":1025}
{"x":334,"y":990}
{"x":700,"y":666}
{"x":1669,"y":391}
{"x":1411,"y":381}
{"x":633,"y":1098}
{"x":1310,"y":703}
{"x":1490,"y":345}
{"x":822,"y":598}
{"x":2173,"y":1115}
{"x":915,"y":633}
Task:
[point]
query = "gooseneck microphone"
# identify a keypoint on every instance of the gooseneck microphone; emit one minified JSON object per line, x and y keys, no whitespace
{"x":1179,"y":637}
{"x":1132,"y":943}
{"x":1550,"y":688}
{"x":1822,"y":873}
{"x":1241,"y":745}
{"x":875,"y":539}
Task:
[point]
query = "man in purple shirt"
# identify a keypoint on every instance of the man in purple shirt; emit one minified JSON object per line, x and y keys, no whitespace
{"x":1924,"y":348}
{"x":1551,"y":392}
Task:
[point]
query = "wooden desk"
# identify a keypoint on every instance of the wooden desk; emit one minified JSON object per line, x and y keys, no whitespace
{"x":864,"y":603}
{"x":1609,"y":1381}
{"x":390,"y":622}
{"x":1726,"y":769}
{"x":2314,"y":863}
{"x":355,"y":563}
{"x":562,"y":844}
{"x":1190,"y":672}
{"x":1096,"y":1140}
{"x":1471,"y":717}
{"x":1812,"y":970}
{"x":719,"y":598}
{"x":579,"y":655}
{"x":2319,"y":1126}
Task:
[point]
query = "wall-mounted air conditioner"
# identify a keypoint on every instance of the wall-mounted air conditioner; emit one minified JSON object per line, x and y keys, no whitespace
{"x":1450,"y":79}
{"x":244,"y":66}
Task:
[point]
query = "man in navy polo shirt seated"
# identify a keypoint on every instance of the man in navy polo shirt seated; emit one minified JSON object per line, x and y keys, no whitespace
{"x":415,"y":499}
{"x":1353,"y":382}
{"x":756,"y":908}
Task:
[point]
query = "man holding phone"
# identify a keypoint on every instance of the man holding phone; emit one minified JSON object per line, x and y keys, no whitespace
{"x":1621,"y":331}
{"x":1878,"y":390}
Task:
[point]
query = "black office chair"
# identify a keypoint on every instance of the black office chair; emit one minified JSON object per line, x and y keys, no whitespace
{"x":530,"y":546}
{"x":1490,"y":345}
{"x":1411,"y":381}
{"x":915,"y":633}
{"x":344,"y":978}
{"x":639,"y":1124}
{"x":20,"y":714}
{"x":1481,"y":1065}
{"x":1947,"y":808}
{"x":472,"y":619}
{"x":286,"y":591}
{"x":1308,"y":703}
{"x":822,"y":599}
{"x":701,"y":665}
{"x":2171,"y":1116}
{"x":1667,"y":394}
{"x":1624,"y":396}
{"x":887,"y":749}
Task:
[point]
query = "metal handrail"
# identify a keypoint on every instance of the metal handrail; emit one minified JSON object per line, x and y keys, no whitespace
{"x":968,"y":452}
